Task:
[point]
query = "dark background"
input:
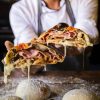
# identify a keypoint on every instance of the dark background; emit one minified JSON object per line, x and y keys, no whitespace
{"x":6,"y":34}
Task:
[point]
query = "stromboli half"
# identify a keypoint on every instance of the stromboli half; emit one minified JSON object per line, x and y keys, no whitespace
{"x":45,"y":36}
{"x":32,"y":53}
{"x":66,"y":36}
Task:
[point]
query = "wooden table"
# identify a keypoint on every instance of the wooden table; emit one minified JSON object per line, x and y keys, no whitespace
{"x":62,"y":81}
{"x":92,"y":76}
{"x":86,"y":75}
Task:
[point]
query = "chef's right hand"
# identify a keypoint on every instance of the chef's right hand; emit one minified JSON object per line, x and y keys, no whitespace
{"x":8,"y":45}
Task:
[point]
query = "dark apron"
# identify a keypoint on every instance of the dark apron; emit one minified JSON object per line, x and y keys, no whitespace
{"x":71,"y":62}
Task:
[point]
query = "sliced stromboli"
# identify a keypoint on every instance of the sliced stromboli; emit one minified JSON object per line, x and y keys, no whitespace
{"x":47,"y":49}
{"x":23,"y":56}
{"x":28,"y":54}
{"x":24,"y":51}
{"x":37,"y":53}
{"x":81,"y":40}
{"x":52,"y":56}
{"x":60,"y":36}
{"x":67,"y":33}
{"x":68,"y":36}
{"x":44,"y":36}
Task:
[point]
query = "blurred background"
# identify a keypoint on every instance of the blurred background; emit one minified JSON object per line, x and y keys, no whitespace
{"x":7,"y":34}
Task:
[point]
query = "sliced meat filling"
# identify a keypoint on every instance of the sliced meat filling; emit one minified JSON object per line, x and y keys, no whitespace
{"x":32,"y":54}
{"x":53,"y":57}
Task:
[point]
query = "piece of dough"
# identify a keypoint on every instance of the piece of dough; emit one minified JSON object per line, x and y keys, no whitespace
{"x":13,"y":98}
{"x":33,"y":90}
{"x":79,"y":94}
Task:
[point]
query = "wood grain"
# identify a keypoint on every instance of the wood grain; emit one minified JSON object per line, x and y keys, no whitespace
{"x":92,"y":76}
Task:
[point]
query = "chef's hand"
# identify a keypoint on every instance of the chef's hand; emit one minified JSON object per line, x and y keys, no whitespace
{"x":8,"y":45}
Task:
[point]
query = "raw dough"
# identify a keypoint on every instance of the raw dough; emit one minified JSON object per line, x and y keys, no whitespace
{"x":79,"y":94}
{"x":33,"y":90}
{"x":13,"y":98}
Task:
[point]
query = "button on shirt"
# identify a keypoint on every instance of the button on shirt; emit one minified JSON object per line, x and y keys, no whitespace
{"x":24,"y":18}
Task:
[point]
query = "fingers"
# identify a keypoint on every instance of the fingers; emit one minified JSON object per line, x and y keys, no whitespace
{"x":8,"y":45}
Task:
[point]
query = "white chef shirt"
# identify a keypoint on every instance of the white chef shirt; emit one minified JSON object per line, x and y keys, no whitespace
{"x":24,"y":18}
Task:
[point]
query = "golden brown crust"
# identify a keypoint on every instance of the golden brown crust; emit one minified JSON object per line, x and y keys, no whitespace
{"x":43,"y":55}
{"x":70,"y":36}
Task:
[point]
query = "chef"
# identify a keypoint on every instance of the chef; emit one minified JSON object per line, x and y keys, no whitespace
{"x":29,"y":18}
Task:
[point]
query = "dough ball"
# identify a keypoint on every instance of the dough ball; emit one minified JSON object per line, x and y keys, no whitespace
{"x":33,"y":90}
{"x":79,"y":94}
{"x":13,"y":98}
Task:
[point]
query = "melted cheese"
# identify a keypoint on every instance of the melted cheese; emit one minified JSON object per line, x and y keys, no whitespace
{"x":83,"y":58}
{"x":28,"y":72}
{"x":65,"y":51}
{"x":45,"y":69}
{"x":7,"y":71}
